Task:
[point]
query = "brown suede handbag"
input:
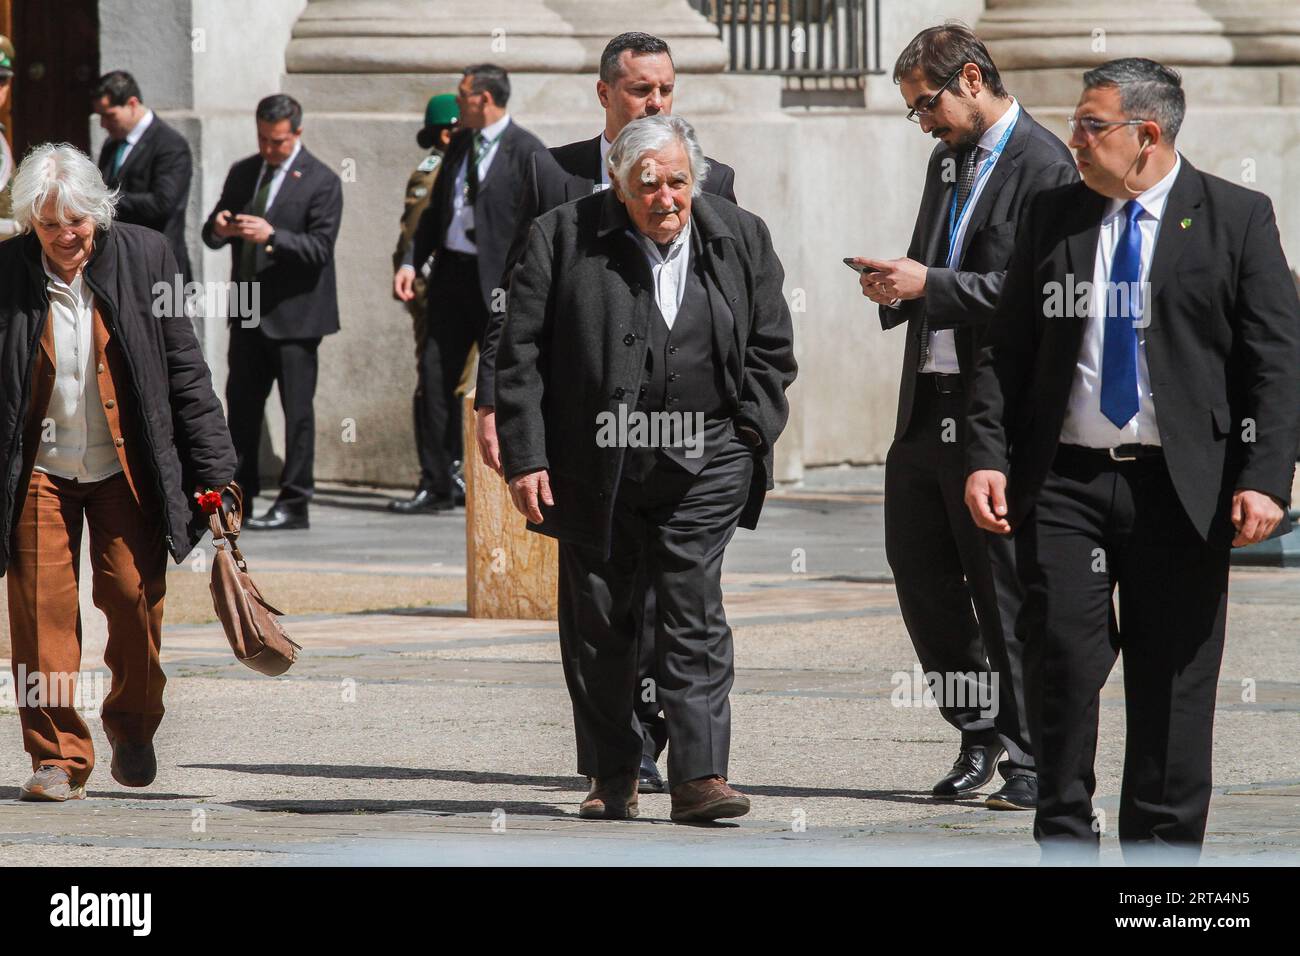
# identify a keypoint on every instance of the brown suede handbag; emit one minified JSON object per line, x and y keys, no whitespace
{"x":255,"y":635}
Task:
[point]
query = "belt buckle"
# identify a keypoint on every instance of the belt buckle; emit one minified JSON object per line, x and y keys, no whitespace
{"x":1115,"y":457}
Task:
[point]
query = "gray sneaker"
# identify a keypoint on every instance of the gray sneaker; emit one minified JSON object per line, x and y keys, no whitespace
{"x":51,"y":783}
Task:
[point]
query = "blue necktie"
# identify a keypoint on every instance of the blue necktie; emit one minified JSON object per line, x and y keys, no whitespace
{"x":1119,"y":388}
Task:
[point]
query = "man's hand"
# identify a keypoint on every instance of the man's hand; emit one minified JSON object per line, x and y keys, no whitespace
{"x":485,"y":429}
{"x":252,"y":228}
{"x":986,"y":499}
{"x":224,"y":226}
{"x":526,"y":489}
{"x":404,"y":284}
{"x":894,"y":279}
{"x":1254,"y":515}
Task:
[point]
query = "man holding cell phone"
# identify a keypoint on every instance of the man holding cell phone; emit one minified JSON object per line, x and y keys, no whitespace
{"x":956,"y":583}
{"x":279,"y":212}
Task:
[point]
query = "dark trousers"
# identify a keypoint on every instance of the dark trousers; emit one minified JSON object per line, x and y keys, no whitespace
{"x":456,"y":320}
{"x":677,"y":525}
{"x":956,"y":584}
{"x":649,"y":711}
{"x":1098,"y":526}
{"x":256,"y":363}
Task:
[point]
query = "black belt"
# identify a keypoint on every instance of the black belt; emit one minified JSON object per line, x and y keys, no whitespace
{"x":943,"y":384}
{"x":457,"y":255}
{"x":1120,"y":453}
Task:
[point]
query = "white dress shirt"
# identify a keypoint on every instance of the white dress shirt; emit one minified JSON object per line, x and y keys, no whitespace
{"x":943,"y":342}
{"x":462,"y":211}
{"x":1084,"y":423}
{"x":133,"y":137}
{"x":83,"y":446}
{"x":668,"y":270}
{"x":605,"y":147}
{"x":277,"y":178}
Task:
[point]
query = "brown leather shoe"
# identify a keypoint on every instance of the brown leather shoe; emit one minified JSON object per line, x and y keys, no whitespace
{"x":611,"y":798}
{"x":134,"y":765}
{"x":707,"y":799}
{"x":51,"y":783}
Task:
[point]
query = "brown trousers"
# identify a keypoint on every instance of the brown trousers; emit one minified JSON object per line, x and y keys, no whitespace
{"x":129,"y":579}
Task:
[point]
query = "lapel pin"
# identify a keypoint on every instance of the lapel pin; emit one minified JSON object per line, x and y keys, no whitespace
{"x":297,"y":174}
{"x":1185,"y":223}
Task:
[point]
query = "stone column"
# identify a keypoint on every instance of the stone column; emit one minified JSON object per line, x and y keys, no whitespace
{"x":1230,"y":51}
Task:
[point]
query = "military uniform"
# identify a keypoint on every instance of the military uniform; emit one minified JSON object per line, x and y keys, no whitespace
{"x":418,"y":190}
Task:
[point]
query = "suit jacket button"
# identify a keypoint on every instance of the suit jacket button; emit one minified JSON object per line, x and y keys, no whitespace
{"x":629,"y":339}
{"x":619,"y":393}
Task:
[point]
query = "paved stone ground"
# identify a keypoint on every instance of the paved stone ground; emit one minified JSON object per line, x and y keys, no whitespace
{"x":421,"y":736}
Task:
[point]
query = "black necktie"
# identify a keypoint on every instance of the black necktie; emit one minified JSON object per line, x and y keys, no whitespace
{"x":967,"y":163}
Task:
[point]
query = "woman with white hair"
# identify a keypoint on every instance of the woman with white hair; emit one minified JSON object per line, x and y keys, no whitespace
{"x":107,"y":415}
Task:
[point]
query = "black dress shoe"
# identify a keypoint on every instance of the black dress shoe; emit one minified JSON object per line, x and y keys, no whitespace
{"x":134,"y":765}
{"x":280,"y":517}
{"x":424,"y":500}
{"x":650,"y":781}
{"x":1020,"y":792}
{"x":974,"y":768}
{"x":458,"y":483}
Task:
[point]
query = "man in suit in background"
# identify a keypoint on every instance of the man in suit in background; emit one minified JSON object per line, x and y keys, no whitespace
{"x":279,"y":212}
{"x":956,"y":584}
{"x":637,"y":79}
{"x":145,"y":158}
{"x":1135,"y":415}
{"x":411,"y":288}
{"x":467,"y":227}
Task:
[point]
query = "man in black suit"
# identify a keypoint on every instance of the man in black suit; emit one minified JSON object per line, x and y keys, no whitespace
{"x":467,"y":226}
{"x":1135,"y":415}
{"x":637,"y":79}
{"x":651,"y":318}
{"x":147,"y":160}
{"x":279,"y":212}
{"x":956,"y":584}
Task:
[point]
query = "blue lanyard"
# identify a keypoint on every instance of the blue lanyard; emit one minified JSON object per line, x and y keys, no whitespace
{"x":954,"y":214}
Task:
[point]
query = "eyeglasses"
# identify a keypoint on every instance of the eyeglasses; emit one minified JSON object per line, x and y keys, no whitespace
{"x":914,"y":115}
{"x":1091,"y":127}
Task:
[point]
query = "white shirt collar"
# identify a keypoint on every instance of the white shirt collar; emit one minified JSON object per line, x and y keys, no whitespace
{"x":76,"y":288}
{"x":994,"y":133}
{"x":605,"y":147}
{"x":674,"y":248}
{"x":1154,"y":199}
{"x":297,"y":148}
{"x":133,"y":137}
{"x":490,"y":133}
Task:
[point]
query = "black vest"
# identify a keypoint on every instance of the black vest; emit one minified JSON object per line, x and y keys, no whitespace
{"x":686,"y":377}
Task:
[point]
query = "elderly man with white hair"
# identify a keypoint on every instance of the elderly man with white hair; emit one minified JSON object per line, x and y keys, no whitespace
{"x":640,"y":389}
{"x":107,"y":416}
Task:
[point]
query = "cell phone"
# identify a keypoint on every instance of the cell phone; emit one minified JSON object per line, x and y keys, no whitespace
{"x":858,"y":267}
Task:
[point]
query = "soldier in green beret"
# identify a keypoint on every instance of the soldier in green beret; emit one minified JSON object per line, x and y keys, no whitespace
{"x":440,"y":115}
{"x":7,"y":225}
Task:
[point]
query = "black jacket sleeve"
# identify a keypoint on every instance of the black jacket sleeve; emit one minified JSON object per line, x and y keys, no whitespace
{"x":229,"y":201}
{"x":522,"y":360}
{"x":530,"y":206}
{"x":313,"y":246}
{"x":170,"y":169}
{"x":769,"y":363}
{"x":198,"y":422}
{"x":1268,"y":375}
{"x":1005,"y":359}
{"x":954,"y":298}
